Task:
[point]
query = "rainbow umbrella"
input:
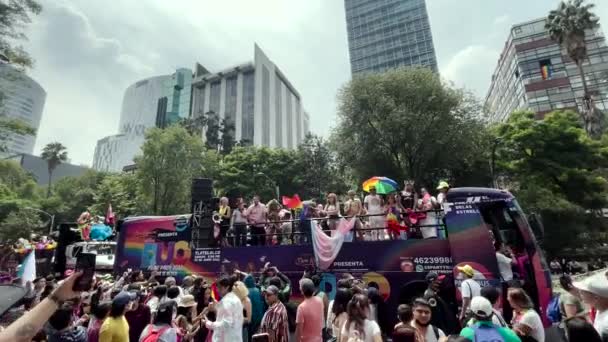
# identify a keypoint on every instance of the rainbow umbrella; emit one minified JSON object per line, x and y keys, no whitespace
{"x":383,"y":185}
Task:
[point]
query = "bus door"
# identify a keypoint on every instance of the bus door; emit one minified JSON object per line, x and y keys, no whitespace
{"x":471,"y":243}
{"x":510,"y":227}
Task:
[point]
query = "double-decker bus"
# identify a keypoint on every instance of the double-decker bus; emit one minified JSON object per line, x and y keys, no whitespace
{"x":472,"y":220}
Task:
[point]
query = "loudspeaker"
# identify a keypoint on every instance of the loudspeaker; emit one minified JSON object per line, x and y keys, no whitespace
{"x":202,"y":189}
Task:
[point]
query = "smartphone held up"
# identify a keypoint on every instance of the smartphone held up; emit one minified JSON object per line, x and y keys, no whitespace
{"x":85,"y":263}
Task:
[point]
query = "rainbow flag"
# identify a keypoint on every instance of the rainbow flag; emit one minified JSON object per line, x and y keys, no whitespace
{"x":545,"y":71}
{"x":215,"y":293}
{"x":292,"y":202}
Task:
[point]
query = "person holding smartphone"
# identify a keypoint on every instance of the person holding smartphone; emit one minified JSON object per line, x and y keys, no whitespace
{"x":28,"y":325}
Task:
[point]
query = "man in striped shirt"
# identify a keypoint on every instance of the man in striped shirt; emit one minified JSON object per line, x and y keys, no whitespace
{"x":275,"y":322}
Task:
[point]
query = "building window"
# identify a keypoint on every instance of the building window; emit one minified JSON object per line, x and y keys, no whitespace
{"x":214,"y":97}
{"x":230,"y":103}
{"x":278,"y":110}
{"x":247,"y":109}
{"x":289,"y":120}
{"x":298,"y":122}
{"x":546,"y":68}
{"x":265,"y":106}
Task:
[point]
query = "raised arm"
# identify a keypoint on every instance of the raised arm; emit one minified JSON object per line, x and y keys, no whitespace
{"x":28,"y":325}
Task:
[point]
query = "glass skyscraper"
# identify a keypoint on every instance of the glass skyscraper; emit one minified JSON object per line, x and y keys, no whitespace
{"x":385,"y":34}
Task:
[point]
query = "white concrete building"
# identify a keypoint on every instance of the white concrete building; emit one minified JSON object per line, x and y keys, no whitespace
{"x":257,"y":97}
{"x":154,"y":101}
{"x":23,"y":99}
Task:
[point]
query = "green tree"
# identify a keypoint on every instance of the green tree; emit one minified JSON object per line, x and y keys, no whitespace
{"x":54,"y":153}
{"x":15,"y":15}
{"x":73,"y":195}
{"x":212,"y":131}
{"x":407,"y":124}
{"x":194,"y":125}
{"x":319,"y":169}
{"x":256,"y":170}
{"x":18,"y":189}
{"x":20,"y":224}
{"x":555,"y":169}
{"x":171,"y":158}
{"x":567,"y":25}
{"x":227,"y":131}
{"x":13,"y":126}
{"x":121,"y":190}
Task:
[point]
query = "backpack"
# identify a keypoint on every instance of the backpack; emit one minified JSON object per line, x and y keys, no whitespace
{"x":486,"y":333}
{"x":553,"y":310}
{"x":154,"y":335}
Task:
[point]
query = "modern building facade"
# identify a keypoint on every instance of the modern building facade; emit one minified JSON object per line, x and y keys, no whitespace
{"x":152,"y":102}
{"x":39,"y":168}
{"x":385,"y":34}
{"x":257,"y":98}
{"x":534,"y":73}
{"x":23,"y":98}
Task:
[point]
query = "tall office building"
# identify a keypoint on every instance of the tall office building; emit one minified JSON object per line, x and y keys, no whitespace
{"x":385,"y":34}
{"x":22,"y":98}
{"x":152,"y":102}
{"x":534,"y":73}
{"x":257,"y":97}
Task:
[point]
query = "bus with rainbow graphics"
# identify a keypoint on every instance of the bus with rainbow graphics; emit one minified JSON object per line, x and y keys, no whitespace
{"x":473,"y":221}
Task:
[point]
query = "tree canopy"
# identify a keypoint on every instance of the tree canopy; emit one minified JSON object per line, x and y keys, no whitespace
{"x":407,"y":124}
{"x":170,"y":159}
{"x":556,"y":170}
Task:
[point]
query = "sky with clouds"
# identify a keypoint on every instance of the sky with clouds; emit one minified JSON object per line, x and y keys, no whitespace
{"x":88,"y":52}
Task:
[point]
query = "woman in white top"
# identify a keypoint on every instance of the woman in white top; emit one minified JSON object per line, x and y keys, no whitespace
{"x":238,"y":225}
{"x":526,"y":321}
{"x":357,"y":325}
{"x":228,"y":325}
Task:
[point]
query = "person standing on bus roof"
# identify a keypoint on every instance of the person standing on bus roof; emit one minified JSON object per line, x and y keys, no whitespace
{"x":374,"y":206}
{"x":353,"y":208}
{"x":468,"y":289}
{"x":256,"y":215}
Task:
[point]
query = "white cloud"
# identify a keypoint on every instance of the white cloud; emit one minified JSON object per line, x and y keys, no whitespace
{"x":472,"y":68}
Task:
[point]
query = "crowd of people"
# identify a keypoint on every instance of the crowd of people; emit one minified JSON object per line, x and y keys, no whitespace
{"x":243,"y":307}
{"x":397,"y":215}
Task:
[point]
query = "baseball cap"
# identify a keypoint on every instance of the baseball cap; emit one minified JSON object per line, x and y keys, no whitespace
{"x":432,"y":276}
{"x":272,"y":290}
{"x":481,"y":307}
{"x":124,"y":298}
{"x":595,"y":284}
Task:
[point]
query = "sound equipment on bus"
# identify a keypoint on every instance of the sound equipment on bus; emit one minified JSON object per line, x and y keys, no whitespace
{"x":203,"y":207}
{"x":68,"y":234}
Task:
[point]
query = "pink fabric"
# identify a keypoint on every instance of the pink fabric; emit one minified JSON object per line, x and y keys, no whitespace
{"x":327,"y":248}
{"x":310,"y":316}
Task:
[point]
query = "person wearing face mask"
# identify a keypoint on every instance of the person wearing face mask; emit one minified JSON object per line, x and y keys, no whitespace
{"x":422,"y":322}
{"x":594,"y":292}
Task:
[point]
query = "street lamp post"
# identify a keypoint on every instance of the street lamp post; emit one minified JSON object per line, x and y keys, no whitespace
{"x":47,"y":214}
{"x":276,"y":186}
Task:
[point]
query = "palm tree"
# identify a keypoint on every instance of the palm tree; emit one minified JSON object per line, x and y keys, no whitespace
{"x":54,"y":153}
{"x":567,"y":25}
